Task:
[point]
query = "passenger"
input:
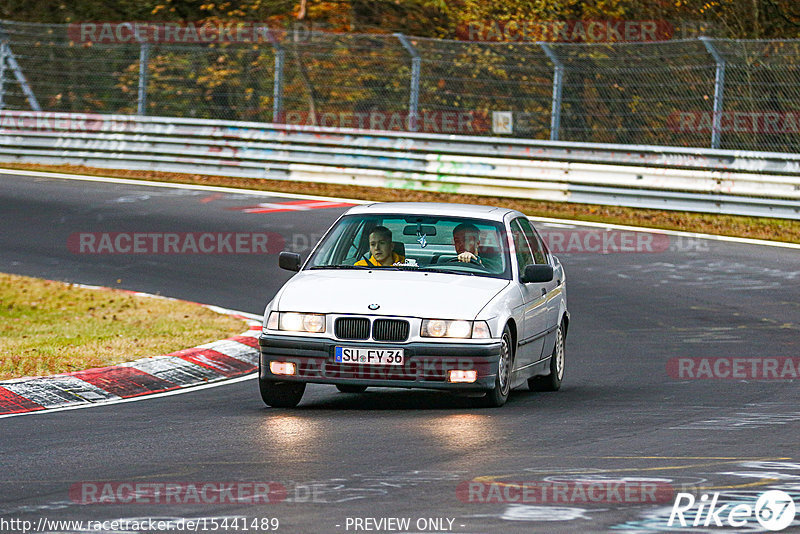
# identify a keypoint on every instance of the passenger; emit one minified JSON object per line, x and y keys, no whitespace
{"x":382,"y":249}
{"x":466,"y":240}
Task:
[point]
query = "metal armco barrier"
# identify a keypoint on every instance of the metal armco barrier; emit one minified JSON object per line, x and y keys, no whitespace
{"x":703,"y":180}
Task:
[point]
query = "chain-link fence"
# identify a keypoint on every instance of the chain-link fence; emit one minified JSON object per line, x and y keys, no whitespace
{"x":697,"y":92}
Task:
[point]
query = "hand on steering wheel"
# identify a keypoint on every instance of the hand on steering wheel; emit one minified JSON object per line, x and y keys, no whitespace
{"x":472,"y":260}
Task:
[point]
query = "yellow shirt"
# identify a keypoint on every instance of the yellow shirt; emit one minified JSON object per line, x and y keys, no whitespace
{"x":396,"y":258}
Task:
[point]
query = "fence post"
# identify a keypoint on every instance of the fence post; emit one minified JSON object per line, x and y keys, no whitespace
{"x":413,"y":101}
{"x":719,"y":88}
{"x":23,"y":82}
{"x":277,"y":82}
{"x":9,"y":58}
{"x":558,"y":81}
{"x":3,"y":46}
{"x":277,"y":76}
{"x":144,"y":60}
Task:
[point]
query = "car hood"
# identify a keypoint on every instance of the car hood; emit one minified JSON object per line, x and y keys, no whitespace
{"x":398,"y":293}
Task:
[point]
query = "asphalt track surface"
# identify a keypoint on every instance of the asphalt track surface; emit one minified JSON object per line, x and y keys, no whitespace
{"x":405,"y":454}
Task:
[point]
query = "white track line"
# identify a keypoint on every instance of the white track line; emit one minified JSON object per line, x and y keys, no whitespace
{"x":197,"y":187}
{"x":220,"y":189}
{"x":226,"y":311}
{"x":713,"y":237}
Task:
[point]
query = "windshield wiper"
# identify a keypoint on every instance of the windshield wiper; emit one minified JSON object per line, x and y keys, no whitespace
{"x":339,"y":267}
{"x":398,"y":268}
{"x":445,"y":270}
{"x":370,"y":267}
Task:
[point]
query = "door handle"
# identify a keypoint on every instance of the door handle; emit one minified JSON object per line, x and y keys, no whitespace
{"x":544,"y":292}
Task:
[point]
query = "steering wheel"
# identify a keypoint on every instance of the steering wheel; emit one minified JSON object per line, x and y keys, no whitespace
{"x":472,"y":261}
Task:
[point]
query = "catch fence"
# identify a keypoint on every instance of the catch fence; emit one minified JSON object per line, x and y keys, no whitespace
{"x":718,"y":93}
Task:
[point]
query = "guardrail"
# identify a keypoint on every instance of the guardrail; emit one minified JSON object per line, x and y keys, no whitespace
{"x":704,"y":180}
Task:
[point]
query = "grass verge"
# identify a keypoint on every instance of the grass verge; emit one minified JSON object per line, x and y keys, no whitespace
{"x":51,"y":327}
{"x":729,"y":225}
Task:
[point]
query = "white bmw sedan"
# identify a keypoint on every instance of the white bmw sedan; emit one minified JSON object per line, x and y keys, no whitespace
{"x":454,"y":297}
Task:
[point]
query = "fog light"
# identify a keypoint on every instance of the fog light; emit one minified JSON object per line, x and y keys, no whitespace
{"x":282,"y":368}
{"x":459,"y":376}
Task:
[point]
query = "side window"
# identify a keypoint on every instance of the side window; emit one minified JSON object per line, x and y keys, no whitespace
{"x":538,"y":248}
{"x":524,"y":253}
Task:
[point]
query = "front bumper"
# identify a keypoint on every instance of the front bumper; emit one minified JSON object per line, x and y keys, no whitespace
{"x":426,"y":364}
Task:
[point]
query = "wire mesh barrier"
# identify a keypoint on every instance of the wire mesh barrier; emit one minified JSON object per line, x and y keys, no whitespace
{"x":728,"y":94}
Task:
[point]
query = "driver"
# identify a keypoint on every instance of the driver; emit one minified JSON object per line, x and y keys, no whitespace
{"x":466,"y":240}
{"x":381,"y":248}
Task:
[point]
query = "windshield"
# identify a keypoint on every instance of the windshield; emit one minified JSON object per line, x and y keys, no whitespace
{"x":471,"y":247}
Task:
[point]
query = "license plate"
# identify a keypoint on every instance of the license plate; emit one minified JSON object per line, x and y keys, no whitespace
{"x":368,"y":356}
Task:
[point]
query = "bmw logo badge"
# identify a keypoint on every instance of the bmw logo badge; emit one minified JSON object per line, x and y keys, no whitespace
{"x":374,"y":306}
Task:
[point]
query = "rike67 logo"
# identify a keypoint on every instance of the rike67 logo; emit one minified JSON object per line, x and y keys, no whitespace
{"x":774,"y":510}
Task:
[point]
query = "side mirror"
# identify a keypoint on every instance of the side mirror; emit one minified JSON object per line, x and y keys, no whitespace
{"x":290,"y":261}
{"x":537,"y":274}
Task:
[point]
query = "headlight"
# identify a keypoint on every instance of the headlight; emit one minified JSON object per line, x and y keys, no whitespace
{"x":434,"y":328}
{"x":454,"y":329}
{"x":297,"y":322}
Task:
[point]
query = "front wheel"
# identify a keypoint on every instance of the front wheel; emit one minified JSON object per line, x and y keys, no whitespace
{"x":281,"y":394}
{"x":552,"y":382}
{"x":502,"y":384}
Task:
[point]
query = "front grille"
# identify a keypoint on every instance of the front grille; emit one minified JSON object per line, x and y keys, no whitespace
{"x":390,"y":330}
{"x":351,"y":328}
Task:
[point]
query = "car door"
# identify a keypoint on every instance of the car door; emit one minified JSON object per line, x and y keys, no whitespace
{"x":534,"y":298}
{"x":553,"y":288}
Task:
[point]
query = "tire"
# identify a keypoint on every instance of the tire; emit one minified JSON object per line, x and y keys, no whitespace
{"x":552,"y":382}
{"x":281,"y":394}
{"x":351,"y":389}
{"x":502,"y":385}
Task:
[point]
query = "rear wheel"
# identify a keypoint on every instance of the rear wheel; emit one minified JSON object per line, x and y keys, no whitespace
{"x":502,"y":384}
{"x":281,"y":394}
{"x":552,"y":382}
{"x":351,"y":389}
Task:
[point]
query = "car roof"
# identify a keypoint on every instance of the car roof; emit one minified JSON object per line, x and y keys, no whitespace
{"x":433,"y":208}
